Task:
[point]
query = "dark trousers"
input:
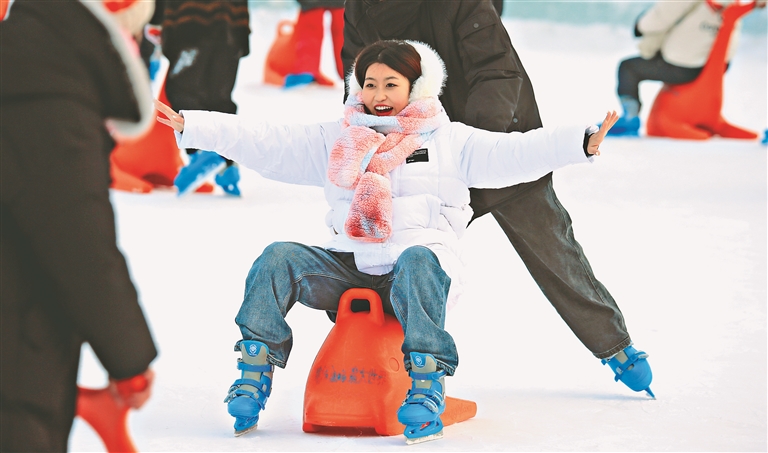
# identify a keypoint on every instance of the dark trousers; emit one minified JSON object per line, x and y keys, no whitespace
{"x":202,"y":77}
{"x":634,"y":70}
{"x":540,"y":230}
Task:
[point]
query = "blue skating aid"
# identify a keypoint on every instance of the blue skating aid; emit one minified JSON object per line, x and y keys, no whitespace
{"x":626,"y":127}
{"x":202,"y":165}
{"x":425,"y":402}
{"x":765,"y":138}
{"x":634,"y":372}
{"x":248,"y":395}
{"x":228,"y":180}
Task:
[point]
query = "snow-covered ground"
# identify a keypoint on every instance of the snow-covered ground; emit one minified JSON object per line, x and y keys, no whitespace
{"x":675,"y":229}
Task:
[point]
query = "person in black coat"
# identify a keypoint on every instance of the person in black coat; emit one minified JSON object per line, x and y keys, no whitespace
{"x":488,"y":88}
{"x":65,"y":70}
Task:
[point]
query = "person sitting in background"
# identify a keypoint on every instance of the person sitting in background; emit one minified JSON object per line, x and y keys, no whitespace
{"x":675,"y":41}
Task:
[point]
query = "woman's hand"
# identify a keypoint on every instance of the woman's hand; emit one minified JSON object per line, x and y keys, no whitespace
{"x":174,"y":120}
{"x":593,"y":146}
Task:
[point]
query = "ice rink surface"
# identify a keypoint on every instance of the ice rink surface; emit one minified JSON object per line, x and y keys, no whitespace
{"x":676,"y":230}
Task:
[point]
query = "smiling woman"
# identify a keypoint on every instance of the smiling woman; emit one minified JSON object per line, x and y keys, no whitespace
{"x":386,"y":71}
{"x":396,"y":173}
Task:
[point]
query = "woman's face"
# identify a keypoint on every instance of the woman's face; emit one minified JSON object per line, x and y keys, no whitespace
{"x":385,"y":91}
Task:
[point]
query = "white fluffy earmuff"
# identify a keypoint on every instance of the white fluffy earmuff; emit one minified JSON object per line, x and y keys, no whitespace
{"x":432,"y":79}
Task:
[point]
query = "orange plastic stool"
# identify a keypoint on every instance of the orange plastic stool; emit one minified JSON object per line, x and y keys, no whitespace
{"x":358,"y":378}
{"x":281,"y":56}
{"x":150,"y":161}
{"x":100,"y":410}
{"x":692,"y":110}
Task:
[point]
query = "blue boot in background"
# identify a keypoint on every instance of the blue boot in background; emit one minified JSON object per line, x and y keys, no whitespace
{"x":228,"y":180}
{"x":298,"y":80}
{"x":202,"y":165}
{"x":628,"y":124}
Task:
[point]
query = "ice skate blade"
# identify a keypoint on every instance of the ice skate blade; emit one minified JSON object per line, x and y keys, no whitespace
{"x":421,"y":440}
{"x":246,"y":430}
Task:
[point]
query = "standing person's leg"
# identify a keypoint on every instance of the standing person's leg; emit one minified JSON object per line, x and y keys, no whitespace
{"x":201,"y":77}
{"x":221,"y":74}
{"x":540,"y":229}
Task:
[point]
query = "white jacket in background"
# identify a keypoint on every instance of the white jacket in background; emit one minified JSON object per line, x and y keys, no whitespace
{"x":684,"y":32}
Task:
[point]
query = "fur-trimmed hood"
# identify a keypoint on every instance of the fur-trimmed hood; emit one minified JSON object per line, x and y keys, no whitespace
{"x":431,"y":82}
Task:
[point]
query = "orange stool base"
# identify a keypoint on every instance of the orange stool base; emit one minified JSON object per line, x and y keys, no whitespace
{"x":358,"y":380}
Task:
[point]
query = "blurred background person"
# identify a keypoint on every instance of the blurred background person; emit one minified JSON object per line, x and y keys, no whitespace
{"x":675,"y":41}
{"x":66,"y":69}
{"x":204,"y":41}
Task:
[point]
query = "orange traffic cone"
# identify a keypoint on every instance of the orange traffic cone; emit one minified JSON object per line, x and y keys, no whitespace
{"x":150,"y":161}
{"x":281,"y":56}
{"x":692,"y":110}
{"x":100,"y":409}
{"x":358,"y":378}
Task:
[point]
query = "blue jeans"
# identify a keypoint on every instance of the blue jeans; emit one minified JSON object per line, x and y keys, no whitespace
{"x":415,"y":292}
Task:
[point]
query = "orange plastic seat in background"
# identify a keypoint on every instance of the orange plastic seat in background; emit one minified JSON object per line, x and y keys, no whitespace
{"x":100,"y":410}
{"x":358,"y":379}
{"x":281,"y":56}
{"x":693,"y":110}
{"x":150,"y":161}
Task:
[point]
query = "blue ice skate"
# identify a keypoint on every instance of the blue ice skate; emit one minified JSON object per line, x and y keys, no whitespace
{"x":626,"y":127}
{"x":425,"y":401}
{"x":248,"y":395}
{"x":632,"y":368}
{"x":202,"y":165}
{"x":298,"y":80}
{"x":228,"y":180}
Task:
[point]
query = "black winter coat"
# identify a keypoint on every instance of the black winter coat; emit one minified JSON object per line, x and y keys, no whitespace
{"x":63,"y":279}
{"x":487,"y":86}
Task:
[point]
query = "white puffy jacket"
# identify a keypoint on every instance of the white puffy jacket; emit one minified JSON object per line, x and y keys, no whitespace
{"x":430,"y":199}
{"x":684,"y":32}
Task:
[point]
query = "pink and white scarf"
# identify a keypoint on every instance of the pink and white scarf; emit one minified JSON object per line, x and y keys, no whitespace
{"x":368,"y":149}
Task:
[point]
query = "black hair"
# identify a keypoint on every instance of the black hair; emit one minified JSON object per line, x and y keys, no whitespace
{"x":398,"y":55}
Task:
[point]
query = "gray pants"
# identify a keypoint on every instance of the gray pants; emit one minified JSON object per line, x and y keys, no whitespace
{"x":540,"y":229}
